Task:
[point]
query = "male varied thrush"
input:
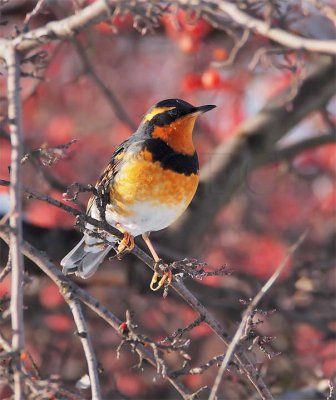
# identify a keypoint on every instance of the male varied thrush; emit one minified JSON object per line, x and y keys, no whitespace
{"x":149,"y":182}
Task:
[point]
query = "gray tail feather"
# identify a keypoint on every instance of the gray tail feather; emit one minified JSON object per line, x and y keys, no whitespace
{"x":82,"y":262}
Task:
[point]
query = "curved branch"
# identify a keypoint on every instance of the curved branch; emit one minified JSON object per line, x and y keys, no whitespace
{"x":290,"y":151}
{"x":119,"y":110}
{"x":289,"y":40}
{"x":100,"y":10}
{"x":249,"y":147}
{"x":69,"y":288}
{"x":243,"y":360}
{"x":63,"y":29}
{"x":239,"y":335}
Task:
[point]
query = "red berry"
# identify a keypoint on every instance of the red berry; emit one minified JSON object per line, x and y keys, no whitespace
{"x":191,"y":82}
{"x":188,"y":44}
{"x":219,"y":54}
{"x":123,"y":328}
{"x":211,"y":79}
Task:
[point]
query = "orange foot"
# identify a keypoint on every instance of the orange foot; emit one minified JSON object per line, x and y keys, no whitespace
{"x":165,"y":280}
{"x":126,"y":243}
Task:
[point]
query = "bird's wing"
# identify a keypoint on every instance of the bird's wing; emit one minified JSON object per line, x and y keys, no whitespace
{"x":105,"y":181}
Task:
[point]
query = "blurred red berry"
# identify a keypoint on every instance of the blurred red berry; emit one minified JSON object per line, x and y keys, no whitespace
{"x":328,"y":355}
{"x":211,"y":79}
{"x":263,"y":255}
{"x":183,"y":22}
{"x":104,"y":27}
{"x":188,"y":44}
{"x":60,"y":129}
{"x":58,"y":322}
{"x":307,"y":339}
{"x":129,"y":385}
{"x":191,"y":82}
{"x":50,"y":297}
{"x":219,"y":54}
{"x":48,"y":216}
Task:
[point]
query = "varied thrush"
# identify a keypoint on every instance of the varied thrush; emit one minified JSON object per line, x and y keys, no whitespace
{"x":149,"y":182}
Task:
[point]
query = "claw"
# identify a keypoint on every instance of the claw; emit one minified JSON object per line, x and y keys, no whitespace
{"x":165,"y":280}
{"x":126,"y":243}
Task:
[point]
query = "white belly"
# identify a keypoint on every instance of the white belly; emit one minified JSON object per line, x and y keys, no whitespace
{"x":142,"y":217}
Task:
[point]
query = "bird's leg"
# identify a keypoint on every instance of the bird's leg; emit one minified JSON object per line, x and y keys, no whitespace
{"x":167,"y":276}
{"x":126,"y":243}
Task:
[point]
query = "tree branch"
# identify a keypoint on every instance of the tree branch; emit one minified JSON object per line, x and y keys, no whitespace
{"x":69,"y":288}
{"x":289,"y":40}
{"x":63,"y":29}
{"x":118,"y":109}
{"x":249,"y":147}
{"x":248,"y":312}
{"x":15,"y":221}
{"x":290,"y":151}
{"x":83,"y":333}
{"x":243,"y":360}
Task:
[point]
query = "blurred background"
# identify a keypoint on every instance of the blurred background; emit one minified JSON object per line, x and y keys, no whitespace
{"x":95,"y":89}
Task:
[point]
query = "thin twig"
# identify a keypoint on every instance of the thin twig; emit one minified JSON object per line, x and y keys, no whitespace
{"x":289,"y":40}
{"x":31,"y":14}
{"x":67,"y":287}
{"x":100,"y":10}
{"x":234,"y":51}
{"x":83,"y":333}
{"x":244,"y":362}
{"x":15,"y":221}
{"x":253,"y":304}
{"x":119,"y":110}
{"x":7,"y":268}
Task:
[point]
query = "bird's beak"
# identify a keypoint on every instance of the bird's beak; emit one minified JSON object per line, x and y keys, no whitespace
{"x":203,"y":109}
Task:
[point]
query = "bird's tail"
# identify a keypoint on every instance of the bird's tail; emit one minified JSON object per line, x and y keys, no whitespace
{"x":82,"y":261}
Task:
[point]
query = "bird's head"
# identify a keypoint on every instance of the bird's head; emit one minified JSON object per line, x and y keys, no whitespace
{"x":172,"y":121}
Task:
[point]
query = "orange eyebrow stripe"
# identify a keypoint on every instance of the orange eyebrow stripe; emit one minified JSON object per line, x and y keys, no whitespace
{"x":156,"y":111}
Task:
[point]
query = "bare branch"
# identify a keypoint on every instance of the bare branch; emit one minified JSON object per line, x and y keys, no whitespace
{"x":290,"y":151}
{"x":67,"y":287}
{"x":248,"y":312}
{"x":252,"y":143}
{"x":244,"y":362}
{"x":234,"y":51}
{"x":15,"y":221}
{"x":34,"y":12}
{"x":278,"y":35}
{"x":119,"y":110}
{"x":83,"y":333}
{"x":63,"y":29}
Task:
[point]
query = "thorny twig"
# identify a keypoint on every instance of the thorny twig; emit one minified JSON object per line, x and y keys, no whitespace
{"x":134,"y":339}
{"x":247,"y":316}
{"x":76,"y":188}
{"x":244,"y":362}
{"x":49,"y":155}
{"x":68,"y":287}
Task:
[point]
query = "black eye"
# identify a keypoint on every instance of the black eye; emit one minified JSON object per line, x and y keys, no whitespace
{"x":173,"y":112}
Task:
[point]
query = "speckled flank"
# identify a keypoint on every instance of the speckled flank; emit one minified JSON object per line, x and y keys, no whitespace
{"x":142,"y":180}
{"x":178,"y":134}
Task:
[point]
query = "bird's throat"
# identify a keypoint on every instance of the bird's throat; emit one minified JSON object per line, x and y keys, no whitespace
{"x":178,"y":135}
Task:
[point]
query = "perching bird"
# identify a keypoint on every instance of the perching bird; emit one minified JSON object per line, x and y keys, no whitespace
{"x":149,"y":182}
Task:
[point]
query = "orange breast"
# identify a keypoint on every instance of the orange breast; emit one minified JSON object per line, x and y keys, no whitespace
{"x":141,"y":180}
